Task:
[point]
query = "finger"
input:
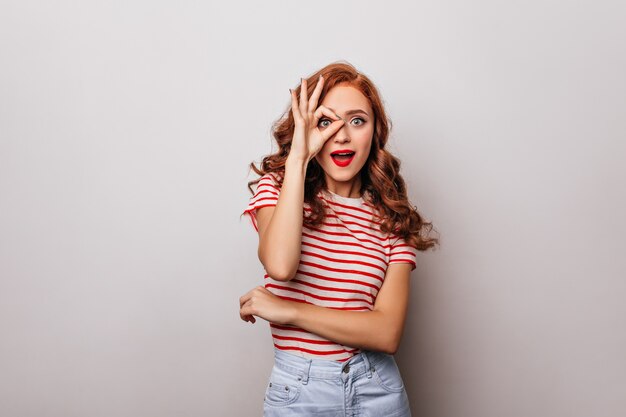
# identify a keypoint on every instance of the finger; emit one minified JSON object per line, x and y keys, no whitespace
{"x":303,"y":96}
{"x":244,"y":298}
{"x":246,"y":311}
{"x":323,"y":110}
{"x":294,"y":106}
{"x":248,"y":318}
{"x":331,"y":129}
{"x":316,"y":93}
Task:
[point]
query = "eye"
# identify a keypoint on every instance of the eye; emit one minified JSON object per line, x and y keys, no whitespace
{"x":320,"y":123}
{"x":359,"y":118}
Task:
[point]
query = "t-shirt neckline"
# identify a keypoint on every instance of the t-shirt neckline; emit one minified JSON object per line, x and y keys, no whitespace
{"x":352,"y":201}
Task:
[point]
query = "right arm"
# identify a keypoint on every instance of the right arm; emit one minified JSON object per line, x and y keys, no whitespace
{"x":280,"y":227}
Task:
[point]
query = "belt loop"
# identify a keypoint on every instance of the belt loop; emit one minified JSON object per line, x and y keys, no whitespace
{"x":307,"y":369}
{"x":368,"y":368}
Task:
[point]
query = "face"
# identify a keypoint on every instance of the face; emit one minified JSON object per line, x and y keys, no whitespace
{"x":345,"y":153}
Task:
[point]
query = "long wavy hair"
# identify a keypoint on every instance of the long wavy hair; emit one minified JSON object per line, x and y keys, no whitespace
{"x":380,"y":176}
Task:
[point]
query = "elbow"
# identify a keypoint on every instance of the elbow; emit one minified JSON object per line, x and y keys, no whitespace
{"x":280,"y":274}
{"x":279,"y":270}
{"x":392,"y":342}
{"x":391,"y":347}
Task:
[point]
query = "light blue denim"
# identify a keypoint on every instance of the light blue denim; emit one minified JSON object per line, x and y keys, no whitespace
{"x":367,"y":385}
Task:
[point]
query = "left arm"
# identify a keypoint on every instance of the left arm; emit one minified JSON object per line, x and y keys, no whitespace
{"x":379,"y":329}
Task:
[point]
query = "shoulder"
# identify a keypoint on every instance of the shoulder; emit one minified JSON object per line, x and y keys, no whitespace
{"x":271,"y":180}
{"x":265,"y":195}
{"x":276,"y":178}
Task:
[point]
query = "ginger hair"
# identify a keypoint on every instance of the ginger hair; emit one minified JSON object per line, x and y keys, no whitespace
{"x":381,"y":181}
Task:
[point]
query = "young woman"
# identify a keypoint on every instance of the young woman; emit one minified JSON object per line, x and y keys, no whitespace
{"x":338,"y":240}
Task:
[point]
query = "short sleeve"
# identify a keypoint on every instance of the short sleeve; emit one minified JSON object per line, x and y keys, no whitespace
{"x":266,"y":195}
{"x":402,"y":252}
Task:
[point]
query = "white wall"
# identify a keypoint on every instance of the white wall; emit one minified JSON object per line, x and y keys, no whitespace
{"x":126,"y":128}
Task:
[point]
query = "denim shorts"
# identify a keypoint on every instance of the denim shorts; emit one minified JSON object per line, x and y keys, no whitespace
{"x":367,"y":385}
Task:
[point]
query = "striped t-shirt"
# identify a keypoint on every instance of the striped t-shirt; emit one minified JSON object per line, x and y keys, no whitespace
{"x":342,"y":266}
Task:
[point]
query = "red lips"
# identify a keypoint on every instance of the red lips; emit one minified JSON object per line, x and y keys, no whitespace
{"x":342,"y":157}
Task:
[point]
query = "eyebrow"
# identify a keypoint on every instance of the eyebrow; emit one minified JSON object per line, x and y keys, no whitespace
{"x":349,"y":112}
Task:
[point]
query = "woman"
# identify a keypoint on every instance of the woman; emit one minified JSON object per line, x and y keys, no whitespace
{"x":338,"y":240}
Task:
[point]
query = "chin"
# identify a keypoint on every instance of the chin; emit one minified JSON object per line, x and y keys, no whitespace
{"x":342,"y":176}
{"x":340,"y":180}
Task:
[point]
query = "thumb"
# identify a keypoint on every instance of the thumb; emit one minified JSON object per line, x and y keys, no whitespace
{"x":332,"y":129}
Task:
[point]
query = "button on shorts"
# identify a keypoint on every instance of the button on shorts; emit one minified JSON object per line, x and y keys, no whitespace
{"x":367,"y":385}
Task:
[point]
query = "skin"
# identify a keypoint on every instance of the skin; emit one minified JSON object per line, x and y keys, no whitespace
{"x":355,"y":134}
{"x":318,"y":132}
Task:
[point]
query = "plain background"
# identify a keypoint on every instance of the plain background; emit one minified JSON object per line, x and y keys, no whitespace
{"x":126,"y":130}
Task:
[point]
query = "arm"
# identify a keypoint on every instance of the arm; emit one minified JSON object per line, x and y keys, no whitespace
{"x":280,"y":227}
{"x":379,"y":330}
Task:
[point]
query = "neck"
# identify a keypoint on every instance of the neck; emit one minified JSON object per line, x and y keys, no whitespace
{"x":349,"y":189}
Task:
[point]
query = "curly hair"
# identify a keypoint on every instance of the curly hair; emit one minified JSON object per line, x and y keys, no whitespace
{"x":380,"y":176}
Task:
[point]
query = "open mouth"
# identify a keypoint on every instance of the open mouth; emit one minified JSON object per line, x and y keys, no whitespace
{"x":342,"y":158}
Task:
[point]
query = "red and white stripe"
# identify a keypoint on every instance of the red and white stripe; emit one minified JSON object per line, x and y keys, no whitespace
{"x":342,"y":266}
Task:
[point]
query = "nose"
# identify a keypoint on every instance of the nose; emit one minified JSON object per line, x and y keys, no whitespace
{"x":342,"y":135}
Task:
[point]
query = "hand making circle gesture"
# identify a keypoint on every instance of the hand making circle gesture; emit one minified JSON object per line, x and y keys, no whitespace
{"x":308,"y":139}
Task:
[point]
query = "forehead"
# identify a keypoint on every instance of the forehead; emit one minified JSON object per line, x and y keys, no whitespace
{"x":344,"y":97}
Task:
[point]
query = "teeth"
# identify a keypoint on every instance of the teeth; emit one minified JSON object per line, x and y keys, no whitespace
{"x":344,"y":153}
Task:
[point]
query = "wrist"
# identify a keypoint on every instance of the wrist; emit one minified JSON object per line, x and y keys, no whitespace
{"x":294,"y":313}
{"x":296,"y":163}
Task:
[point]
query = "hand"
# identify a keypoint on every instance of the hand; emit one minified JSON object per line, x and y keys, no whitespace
{"x":262,"y":303}
{"x":308,"y":139}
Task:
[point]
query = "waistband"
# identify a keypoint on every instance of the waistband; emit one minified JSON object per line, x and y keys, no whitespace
{"x":305,"y":368}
